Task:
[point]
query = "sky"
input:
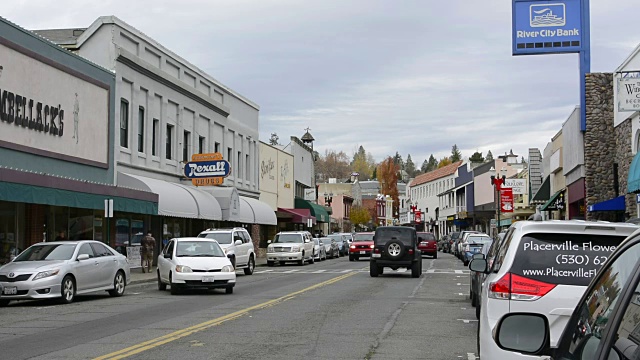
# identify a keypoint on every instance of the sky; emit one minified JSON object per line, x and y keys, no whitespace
{"x":407,"y":76}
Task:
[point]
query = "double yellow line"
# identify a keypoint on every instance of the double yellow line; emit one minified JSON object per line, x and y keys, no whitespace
{"x":150,"y":344}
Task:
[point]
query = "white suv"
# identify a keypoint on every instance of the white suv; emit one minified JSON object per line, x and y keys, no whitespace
{"x":288,"y":246}
{"x":541,"y":267}
{"x":237,"y":245}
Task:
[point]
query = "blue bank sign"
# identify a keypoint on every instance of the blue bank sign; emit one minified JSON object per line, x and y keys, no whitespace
{"x":543,"y":27}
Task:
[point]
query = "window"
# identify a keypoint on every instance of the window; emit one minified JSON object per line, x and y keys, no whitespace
{"x":185,"y":146}
{"x":101,"y":250}
{"x":169,"y":141}
{"x":201,"y":144}
{"x":154,"y":137}
{"x":239,"y":164}
{"x":86,"y":249}
{"x":124,"y":123}
{"x":248,"y":165}
{"x":141,"y":129}
{"x":230,"y":156}
{"x":217,"y":147}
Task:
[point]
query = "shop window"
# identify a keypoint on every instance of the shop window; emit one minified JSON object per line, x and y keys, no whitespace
{"x":122,"y":233}
{"x":80,"y":224}
{"x":124,"y":123}
{"x":637,"y":141}
{"x":58,"y":223}
{"x":8,"y":239}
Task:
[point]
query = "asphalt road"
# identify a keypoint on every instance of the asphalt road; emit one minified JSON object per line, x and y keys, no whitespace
{"x":329,"y":310}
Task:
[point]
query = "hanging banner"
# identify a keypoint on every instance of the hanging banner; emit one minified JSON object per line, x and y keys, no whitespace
{"x":418,"y":216}
{"x":506,"y":200}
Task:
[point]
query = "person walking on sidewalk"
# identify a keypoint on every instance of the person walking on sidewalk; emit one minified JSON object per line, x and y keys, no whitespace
{"x":148,"y":244}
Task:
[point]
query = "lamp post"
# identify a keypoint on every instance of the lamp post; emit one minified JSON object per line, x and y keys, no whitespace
{"x":497,"y":183}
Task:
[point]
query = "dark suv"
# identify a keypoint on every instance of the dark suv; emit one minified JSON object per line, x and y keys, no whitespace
{"x":395,"y":247}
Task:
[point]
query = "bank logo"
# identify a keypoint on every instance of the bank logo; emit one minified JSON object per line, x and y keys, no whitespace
{"x":546,"y":15}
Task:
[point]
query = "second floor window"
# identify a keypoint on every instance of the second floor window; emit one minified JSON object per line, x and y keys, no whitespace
{"x":154,"y":137}
{"x":141,"y":129}
{"x":124,"y":123}
{"x":169,"y":141}
{"x":185,"y":146}
{"x":201,"y":144}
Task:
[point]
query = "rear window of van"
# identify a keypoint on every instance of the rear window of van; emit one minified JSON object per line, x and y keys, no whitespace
{"x":564,"y":259}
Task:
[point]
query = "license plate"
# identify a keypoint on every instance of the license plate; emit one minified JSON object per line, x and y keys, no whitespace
{"x":207,"y":279}
{"x":423,"y":244}
{"x":375,"y":255}
{"x":362,"y":252}
{"x":10,"y":290}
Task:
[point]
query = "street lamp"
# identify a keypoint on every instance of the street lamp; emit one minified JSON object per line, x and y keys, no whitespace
{"x":497,"y":183}
{"x":328,"y":198}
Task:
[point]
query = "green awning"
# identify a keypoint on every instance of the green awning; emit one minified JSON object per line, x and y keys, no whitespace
{"x":556,"y":202}
{"x":316,"y":210}
{"x":633,"y":181}
{"x":32,"y":194}
{"x":544,"y":191}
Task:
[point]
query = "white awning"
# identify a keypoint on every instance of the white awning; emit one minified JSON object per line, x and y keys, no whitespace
{"x":246,"y":212}
{"x":263,"y":214}
{"x":175,"y":200}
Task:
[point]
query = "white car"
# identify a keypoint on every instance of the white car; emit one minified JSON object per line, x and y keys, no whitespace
{"x":237,"y":245}
{"x":319,"y":250}
{"x":195,"y":263}
{"x":541,"y":267}
{"x":290,"y":246}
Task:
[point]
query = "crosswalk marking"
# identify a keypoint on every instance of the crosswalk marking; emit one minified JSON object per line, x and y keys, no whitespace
{"x":319,"y":272}
{"x":365,"y":270}
{"x":458,"y":271}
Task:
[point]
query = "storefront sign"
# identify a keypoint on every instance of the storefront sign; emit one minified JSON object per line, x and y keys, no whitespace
{"x":133,"y":256}
{"x":518,"y":186}
{"x":506,"y":200}
{"x":628,"y":94}
{"x":207,"y":169}
{"x":543,"y":27}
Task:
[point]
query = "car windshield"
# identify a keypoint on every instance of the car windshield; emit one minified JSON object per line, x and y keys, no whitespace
{"x":47,"y":252}
{"x":288,"y":238}
{"x":478,"y":240}
{"x":337,"y":238}
{"x":363,"y":237}
{"x":383,"y":235}
{"x":316,"y":241}
{"x":221,"y":237}
{"x":198,"y":249}
{"x":326,"y":240}
{"x":455,"y":235}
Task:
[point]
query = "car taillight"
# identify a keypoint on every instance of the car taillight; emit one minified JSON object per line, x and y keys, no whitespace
{"x":376,"y":250}
{"x":410,"y":251}
{"x":515,"y":287}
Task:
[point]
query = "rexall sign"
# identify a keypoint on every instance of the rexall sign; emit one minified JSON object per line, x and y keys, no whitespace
{"x":543,"y":27}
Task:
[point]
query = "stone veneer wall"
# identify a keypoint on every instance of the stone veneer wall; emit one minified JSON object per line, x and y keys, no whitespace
{"x":624,"y":156}
{"x":599,"y":142}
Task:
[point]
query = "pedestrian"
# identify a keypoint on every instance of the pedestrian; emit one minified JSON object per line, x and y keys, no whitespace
{"x":148,"y":244}
{"x":62,"y":236}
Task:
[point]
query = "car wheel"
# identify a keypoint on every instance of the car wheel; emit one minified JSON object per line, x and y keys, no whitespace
{"x":119,"y":285}
{"x":174,"y":288}
{"x":270,"y":263}
{"x":350,"y":257}
{"x":251,"y":265}
{"x":313,"y":259}
{"x":474,"y":300}
{"x":301,"y":261}
{"x":68,"y":290}
{"x":228,"y":290}
{"x":4,"y":303}
{"x":394,"y":249}
{"x":380,"y":270}
{"x":465,"y":263}
{"x":416,"y":270}
{"x":478,"y":316}
{"x":373,"y":269}
{"x":282,"y":263}
{"x":233,"y":261}
{"x":161,"y":286}
{"x":356,"y":258}
{"x":435,"y":256}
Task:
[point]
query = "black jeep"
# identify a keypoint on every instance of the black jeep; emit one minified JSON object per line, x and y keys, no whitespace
{"x":395,"y":247}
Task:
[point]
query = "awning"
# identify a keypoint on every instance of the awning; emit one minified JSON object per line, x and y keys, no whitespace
{"x":299,"y":216}
{"x":262,"y":212}
{"x":556,"y":202}
{"x":229,"y":201}
{"x":316,"y":210}
{"x":615,"y":204}
{"x":633,"y":180}
{"x":543,"y":192}
{"x":175,"y":200}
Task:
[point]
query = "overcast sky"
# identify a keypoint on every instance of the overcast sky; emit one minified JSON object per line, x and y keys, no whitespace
{"x":409,"y":76}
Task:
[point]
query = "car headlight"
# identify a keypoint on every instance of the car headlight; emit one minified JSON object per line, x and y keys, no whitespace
{"x":372,"y":246}
{"x":227,"y":268}
{"x":270,"y":249}
{"x":295,"y":248}
{"x":48,"y":273}
{"x":352,"y":246}
{"x":183,"y":269}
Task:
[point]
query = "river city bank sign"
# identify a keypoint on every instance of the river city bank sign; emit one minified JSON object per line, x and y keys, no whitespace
{"x":553,"y":27}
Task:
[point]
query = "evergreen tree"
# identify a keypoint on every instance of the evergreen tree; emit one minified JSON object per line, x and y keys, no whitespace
{"x":429,"y":165}
{"x":425,"y":165}
{"x":489,"y":156}
{"x":477,"y":157}
{"x":397,"y":159}
{"x":456,"y":155}
{"x":375,"y":174}
{"x":410,"y":167}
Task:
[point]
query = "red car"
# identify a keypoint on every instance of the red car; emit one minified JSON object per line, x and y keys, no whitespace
{"x":427,"y":244}
{"x":361,"y":245}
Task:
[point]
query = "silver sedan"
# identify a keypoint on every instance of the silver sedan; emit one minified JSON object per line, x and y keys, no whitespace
{"x":63,"y":270}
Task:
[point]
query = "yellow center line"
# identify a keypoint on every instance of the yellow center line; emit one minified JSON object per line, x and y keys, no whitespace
{"x":150,"y":344}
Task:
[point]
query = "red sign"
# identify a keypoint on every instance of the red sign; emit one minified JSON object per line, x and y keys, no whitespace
{"x":506,"y":200}
{"x":418,"y":216}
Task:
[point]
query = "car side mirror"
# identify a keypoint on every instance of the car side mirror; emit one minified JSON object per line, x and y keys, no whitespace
{"x":268,"y":241}
{"x":167,"y":256}
{"x":238,"y":242}
{"x":478,"y":265}
{"x":307,"y":241}
{"x":82,"y":257}
{"x":525,"y":333}
{"x":478,"y":256}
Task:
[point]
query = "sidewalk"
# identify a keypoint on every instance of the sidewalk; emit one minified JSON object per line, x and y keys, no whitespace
{"x":138,"y":277}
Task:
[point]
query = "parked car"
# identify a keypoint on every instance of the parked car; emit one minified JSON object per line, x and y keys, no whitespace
{"x":63,"y":270}
{"x":452,"y":238}
{"x":427,"y":244}
{"x":443,"y":242}
{"x":331,"y":247}
{"x":319,"y":250}
{"x":361,"y":245}
{"x":395,"y":247}
{"x":461,"y":242}
{"x":476,"y":278}
{"x":604,"y":324}
{"x":195,"y":263}
{"x":542,"y":267}
{"x":474,"y":245}
{"x":343,"y":242}
{"x":237,"y":245}
{"x":291,"y":246}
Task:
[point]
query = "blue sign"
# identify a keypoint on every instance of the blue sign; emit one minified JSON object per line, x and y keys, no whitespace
{"x":638,"y":198}
{"x":543,"y":27}
{"x":207,"y":169}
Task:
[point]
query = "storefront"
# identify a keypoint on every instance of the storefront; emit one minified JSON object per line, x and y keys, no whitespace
{"x":575,"y":199}
{"x":556,"y":206}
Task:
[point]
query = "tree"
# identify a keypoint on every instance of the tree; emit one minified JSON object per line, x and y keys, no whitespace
{"x":363,"y":163}
{"x":388,"y":179}
{"x":397,"y":159}
{"x":410,"y":167}
{"x":523,"y":160}
{"x":375,"y":174}
{"x":444,"y":162}
{"x":456,"y":155}
{"x":359,"y":216}
{"x":489,"y":156}
{"x":477,"y":157}
{"x":429,"y":165}
{"x":273,"y":140}
{"x":332,"y":164}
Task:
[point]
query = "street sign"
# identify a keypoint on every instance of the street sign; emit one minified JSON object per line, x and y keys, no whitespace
{"x":493,"y":223}
{"x":638,"y":198}
{"x":519,"y":186}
